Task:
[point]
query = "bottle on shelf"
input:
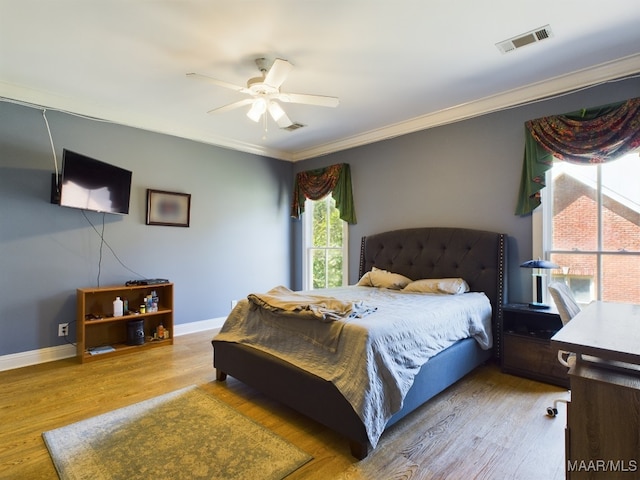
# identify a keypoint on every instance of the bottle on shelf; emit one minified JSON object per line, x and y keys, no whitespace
{"x":118,"y":307}
{"x":154,"y":301}
{"x":147,"y":301}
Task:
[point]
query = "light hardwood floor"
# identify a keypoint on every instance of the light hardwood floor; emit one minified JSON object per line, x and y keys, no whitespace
{"x":488,"y":426}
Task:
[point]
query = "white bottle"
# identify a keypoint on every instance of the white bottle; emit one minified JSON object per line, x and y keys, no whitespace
{"x":117,"y":307}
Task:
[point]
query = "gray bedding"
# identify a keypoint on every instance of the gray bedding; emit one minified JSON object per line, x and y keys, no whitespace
{"x":373,"y":359}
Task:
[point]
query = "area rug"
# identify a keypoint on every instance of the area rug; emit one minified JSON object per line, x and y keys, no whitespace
{"x":186,"y":434}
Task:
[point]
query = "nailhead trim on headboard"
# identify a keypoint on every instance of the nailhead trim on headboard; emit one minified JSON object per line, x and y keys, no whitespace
{"x":501,"y":290}
{"x":361,"y":271}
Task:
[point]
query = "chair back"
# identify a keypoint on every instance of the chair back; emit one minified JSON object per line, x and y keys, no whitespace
{"x":564,"y":300}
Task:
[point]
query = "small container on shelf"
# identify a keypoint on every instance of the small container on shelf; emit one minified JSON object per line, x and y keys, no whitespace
{"x":118,"y":307}
{"x":135,"y":332}
{"x":154,"y":301}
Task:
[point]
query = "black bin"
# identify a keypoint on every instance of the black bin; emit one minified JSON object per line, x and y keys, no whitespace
{"x":135,"y":332}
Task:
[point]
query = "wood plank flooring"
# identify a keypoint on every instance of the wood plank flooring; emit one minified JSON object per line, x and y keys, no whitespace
{"x":488,"y":426}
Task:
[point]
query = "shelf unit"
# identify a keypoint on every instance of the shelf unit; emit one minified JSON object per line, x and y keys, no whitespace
{"x":97,"y":327}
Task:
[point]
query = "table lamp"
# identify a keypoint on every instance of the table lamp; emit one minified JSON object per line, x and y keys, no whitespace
{"x":538,"y":266}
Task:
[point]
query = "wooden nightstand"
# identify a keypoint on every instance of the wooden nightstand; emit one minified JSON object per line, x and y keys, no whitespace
{"x":526,"y":346}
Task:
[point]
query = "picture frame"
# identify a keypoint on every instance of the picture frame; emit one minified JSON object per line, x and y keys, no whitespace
{"x":171,"y":209}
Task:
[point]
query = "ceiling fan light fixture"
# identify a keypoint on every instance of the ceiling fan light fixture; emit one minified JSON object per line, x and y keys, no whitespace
{"x":257,"y":109}
{"x":266,"y":95}
{"x":275,"y":110}
{"x":257,"y":86}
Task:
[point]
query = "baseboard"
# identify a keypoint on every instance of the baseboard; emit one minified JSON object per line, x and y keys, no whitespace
{"x":33,"y":357}
{"x":50,"y":354}
{"x":201,"y":326}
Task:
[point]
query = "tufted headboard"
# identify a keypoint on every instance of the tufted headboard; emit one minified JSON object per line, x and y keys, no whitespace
{"x":478,"y":256}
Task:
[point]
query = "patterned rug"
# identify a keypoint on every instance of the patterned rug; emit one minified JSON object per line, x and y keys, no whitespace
{"x":186,"y":434}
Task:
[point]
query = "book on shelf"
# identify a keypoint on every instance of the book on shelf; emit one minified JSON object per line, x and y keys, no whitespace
{"x":99,"y":350}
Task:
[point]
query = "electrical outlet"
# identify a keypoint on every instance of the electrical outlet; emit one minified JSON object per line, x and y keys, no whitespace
{"x":63,"y":329}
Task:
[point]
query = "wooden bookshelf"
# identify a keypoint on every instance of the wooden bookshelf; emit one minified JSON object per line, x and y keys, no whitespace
{"x":97,"y":327}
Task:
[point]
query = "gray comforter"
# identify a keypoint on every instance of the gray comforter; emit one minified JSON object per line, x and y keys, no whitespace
{"x":372,"y":360}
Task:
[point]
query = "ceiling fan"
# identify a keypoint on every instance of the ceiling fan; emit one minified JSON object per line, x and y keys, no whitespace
{"x":265,"y":93}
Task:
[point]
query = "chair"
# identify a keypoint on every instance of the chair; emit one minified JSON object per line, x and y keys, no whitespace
{"x":564,"y":300}
{"x":567,"y":308}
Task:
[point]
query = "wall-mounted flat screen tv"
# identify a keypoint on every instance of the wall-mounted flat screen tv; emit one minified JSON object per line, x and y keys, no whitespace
{"x":90,"y":184}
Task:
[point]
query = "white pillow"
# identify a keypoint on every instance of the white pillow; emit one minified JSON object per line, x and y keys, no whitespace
{"x":383,"y":279}
{"x":452,"y":286}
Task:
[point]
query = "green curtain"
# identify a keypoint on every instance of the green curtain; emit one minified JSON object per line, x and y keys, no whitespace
{"x":595,"y":135}
{"x":316,"y":184}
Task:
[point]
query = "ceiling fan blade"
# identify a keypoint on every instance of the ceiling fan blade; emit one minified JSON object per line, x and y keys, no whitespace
{"x":232,"y":106}
{"x":278,"y":115}
{"x":220,"y":83}
{"x":284,"y":121}
{"x":278,"y":73}
{"x":319,"y":100}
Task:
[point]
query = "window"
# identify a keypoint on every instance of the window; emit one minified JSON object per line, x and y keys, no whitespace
{"x":325,"y":245}
{"x":591,"y":224}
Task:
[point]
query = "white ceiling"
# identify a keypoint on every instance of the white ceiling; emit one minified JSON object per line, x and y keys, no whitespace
{"x":397,"y":66}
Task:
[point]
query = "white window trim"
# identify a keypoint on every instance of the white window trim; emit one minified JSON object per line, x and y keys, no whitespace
{"x":539,"y":241}
{"x":306,"y":235}
{"x":307,"y":283}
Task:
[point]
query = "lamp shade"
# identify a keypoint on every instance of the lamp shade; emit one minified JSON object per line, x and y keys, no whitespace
{"x":257,"y":109}
{"x":275,"y":110}
{"x":539,"y":264}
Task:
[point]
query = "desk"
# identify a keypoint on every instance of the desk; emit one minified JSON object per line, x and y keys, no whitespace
{"x":610,"y":331}
{"x":603,"y":417}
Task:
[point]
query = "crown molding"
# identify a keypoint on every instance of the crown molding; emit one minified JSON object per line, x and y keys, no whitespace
{"x":564,"y":84}
{"x":43,"y":100}
{"x":539,"y":91}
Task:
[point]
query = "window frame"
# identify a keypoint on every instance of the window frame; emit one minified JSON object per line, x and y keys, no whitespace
{"x":307,"y":245}
{"x":542,"y":231}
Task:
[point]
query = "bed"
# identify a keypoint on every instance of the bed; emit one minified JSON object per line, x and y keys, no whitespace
{"x":476,"y":256}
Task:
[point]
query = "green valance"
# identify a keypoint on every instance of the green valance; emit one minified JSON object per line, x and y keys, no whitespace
{"x":595,"y":135}
{"x":316,"y":184}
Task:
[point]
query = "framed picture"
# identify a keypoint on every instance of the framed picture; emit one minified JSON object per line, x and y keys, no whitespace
{"x":168,"y":208}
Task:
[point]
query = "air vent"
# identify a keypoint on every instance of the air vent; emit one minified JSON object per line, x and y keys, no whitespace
{"x":293,"y":126}
{"x":525,"y":39}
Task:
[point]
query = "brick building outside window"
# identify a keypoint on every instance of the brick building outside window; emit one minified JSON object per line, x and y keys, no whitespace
{"x":593,"y":229}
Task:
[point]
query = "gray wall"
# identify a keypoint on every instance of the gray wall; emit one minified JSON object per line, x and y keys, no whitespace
{"x":240,"y":224}
{"x":241,"y":238}
{"x":464,"y":174}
